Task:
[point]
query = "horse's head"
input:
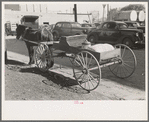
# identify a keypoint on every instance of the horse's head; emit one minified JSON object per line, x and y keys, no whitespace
{"x":20,"y":30}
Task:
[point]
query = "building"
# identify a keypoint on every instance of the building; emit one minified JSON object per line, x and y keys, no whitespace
{"x":14,"y":13}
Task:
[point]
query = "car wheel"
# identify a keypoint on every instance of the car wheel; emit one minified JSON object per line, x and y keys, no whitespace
{"x":55,"y":36}
{"x":128,"y":42}
{"x":92,"y":39}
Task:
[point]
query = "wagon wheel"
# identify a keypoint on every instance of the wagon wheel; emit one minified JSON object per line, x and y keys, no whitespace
{"x":43,"y":57}
{"x":86,"y":70}
{"x":126,"y":62}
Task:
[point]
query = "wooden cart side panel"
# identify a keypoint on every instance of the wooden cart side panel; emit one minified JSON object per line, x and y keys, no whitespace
{"x":100,"y":56}
{"x":76,"y":41}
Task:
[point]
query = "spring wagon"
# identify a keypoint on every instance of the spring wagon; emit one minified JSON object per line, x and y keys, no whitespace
{"x":87,"y":63}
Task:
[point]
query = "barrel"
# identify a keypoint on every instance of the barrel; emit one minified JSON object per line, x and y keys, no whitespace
{"x":141,"y":15}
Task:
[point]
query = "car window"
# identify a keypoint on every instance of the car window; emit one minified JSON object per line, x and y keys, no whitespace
{"x":129,"y":24}
{"x":122,"y":26}
{"x":66,"y":25}
{"x":86,"y":25}
{"x":98,"y":27}
{"x":109,"y":26}
{"x":58,"y":25}
{"x":135,"y":25}
{"x":105,"y":26}
{"x":75,"y":25}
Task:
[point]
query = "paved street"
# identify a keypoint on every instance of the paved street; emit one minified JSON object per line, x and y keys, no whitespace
{"x":111,"y":87}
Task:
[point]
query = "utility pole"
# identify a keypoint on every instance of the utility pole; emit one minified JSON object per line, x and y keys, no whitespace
{"x":46,"y":9}
{"x":103,"y":11}
{"x":75,"y":12}
{"x":98,"y":16}
{"x":33,"y":8}
{"x":40,"y":7}
{"x":108,"y":18}
{"x":26,"y":8}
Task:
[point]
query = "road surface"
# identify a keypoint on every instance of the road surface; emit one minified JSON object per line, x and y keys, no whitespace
{"x":27,"y":83}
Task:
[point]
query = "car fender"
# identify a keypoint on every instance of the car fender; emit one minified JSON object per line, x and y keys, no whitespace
{"x":126,"y":36}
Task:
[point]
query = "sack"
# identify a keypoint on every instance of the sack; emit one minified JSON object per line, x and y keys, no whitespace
{"x":101,"y":48}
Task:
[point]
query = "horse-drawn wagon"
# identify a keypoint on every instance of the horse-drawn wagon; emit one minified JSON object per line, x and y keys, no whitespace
{"x":86,"y":62}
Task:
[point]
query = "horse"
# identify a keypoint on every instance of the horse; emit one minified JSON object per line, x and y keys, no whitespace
{"x":42,"y":34}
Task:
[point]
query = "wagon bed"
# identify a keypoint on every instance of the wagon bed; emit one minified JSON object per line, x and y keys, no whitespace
{"x":73,"y":44}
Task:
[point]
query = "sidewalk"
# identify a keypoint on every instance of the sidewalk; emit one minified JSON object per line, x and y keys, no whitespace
{"x":57,"y":68}
{"x":17,"y":57}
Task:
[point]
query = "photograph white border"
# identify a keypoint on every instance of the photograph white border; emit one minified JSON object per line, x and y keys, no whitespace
{"x":67,"y":110}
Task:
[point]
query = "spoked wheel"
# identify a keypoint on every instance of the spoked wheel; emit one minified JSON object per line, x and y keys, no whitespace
{"x":126,"y":62}
{"x":86,"y":70}
{"x":44,"y":57}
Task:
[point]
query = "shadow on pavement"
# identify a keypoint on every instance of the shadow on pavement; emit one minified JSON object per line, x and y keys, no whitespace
{"x":61,"y":81}
{"x":13,"y":62}
{"x":133,"y":81}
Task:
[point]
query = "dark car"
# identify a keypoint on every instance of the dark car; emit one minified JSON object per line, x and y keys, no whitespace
{"x":88,"y":27}
{"x":67,"y":29}
{"x":114,"y":32}
{"x":97,"y":24}
{"x":132,"y":24}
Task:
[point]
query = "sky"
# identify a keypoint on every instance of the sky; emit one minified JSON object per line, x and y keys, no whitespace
{"x":67,"y":7}
{"x":82,"y":7}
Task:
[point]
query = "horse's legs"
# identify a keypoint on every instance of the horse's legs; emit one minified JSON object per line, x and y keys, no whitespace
{"x":31,"y":52}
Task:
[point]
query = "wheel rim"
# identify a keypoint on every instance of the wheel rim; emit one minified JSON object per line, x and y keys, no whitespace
{"x":43,"y":56}
{"x":126,"y":62}
{"x":85,"y":73}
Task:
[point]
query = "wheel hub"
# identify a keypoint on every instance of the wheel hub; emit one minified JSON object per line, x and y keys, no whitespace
{"x":85,"y":71}
{"x":42,"y":58}
{"x":120,"y":61}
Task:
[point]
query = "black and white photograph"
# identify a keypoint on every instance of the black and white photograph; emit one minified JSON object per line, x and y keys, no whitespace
{"x":74,"y":60}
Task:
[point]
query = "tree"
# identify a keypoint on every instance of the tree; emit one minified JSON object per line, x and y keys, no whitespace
{"x":112,"y":14}
{"x":137,"y":7}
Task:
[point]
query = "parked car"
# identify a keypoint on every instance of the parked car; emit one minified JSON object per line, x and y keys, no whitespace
{"x":132,"y":24}
{"x":67,"y":29}
{"x":88,"y":27}
{"x":114,"y":32}
{"x":10,"y":28}
{"x":97,"y":24}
